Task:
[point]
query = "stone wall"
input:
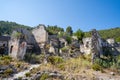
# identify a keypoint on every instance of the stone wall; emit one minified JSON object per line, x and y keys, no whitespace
{"x":18,"y":43}
{"x":86,"y":46}
{"x":13,"y":48}
{"x":40,"y":34}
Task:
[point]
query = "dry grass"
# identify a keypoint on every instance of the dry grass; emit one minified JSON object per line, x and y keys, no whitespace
{"x":74,"y":67}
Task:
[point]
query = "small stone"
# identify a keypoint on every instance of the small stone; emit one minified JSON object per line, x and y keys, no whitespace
{"x":112,"y":73}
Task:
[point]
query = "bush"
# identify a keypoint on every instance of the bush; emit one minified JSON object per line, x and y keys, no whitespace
{"x":64,"y":49}
{"x":19,"y":78}
{"x":61,"y":66}
{"x":33,"y":58}
{"x":28,"y":74}
{"x":96,"y":67}
{"x":8,"y":72}
{"x":44,"y":76}
{"x":55,"y":59}
{"x":6,"y":57}
{"x":5,"y":60}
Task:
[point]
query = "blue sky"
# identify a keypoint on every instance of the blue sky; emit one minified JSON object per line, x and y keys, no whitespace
{"x":83,"y":14}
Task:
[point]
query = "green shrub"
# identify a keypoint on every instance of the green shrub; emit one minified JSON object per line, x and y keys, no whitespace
{"x":17,"y":35}
{"x":28,"y":74}
{"x":61,"y":66}
{"x":5,"y":60}
{"x":19,"y":78}
{"x":6,"y":57}
{"x":44,"y":76}
{"x":96,"y":67}
{"x":34,"y":58}
{"x":8,"y":71}
{"x":55,"y":59}
{"x":64,"y":49}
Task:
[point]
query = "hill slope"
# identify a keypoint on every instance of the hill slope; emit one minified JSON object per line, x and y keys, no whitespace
{"x":108,"y":33}
{"x":7,"y":27}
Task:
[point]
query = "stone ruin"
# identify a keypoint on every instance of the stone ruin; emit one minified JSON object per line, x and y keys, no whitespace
{"x":92,"y":45}
{"x":23,"y":41}
{"x":20,"y":40}
{"x":86,"y":46}
{"x":96,"y":45}
{"x":41,"y":37}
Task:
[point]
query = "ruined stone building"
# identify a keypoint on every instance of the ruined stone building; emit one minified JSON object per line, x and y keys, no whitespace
{"x":92,"y":44}
{"x":86,"y":46}
{"x":23,"y":41}
{"x":41,"y":36}
{"x":20,"y":40}
{"x":4,"y":40}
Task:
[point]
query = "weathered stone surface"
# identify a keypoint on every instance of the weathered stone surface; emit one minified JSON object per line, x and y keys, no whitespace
{"x":40,"y":34}
{"x":54,"y":44}
{"x":86,"y":46}
{"x":110,"y":42}
{"x":22,"y":50}
{"x":96,"y":45}
{"x":18,"y":43}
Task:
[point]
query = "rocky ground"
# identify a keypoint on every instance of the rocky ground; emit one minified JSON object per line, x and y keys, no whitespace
{"x":54,"y":69}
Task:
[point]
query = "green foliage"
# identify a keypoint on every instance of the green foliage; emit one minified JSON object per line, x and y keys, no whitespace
{"x":64,"y":49}
{"x":54,"y":29}
{"x":69,"y":30}
{"x":5,"y":57}
{"x":8,"y":71}
{"x":117,"y":39}
{"x":5,"y":60}
{"x":80,"y":34}
{"x":17,"y":35}
{"x":109,"y":33}
{"x":96,"y":67}
{"x":61,"y":66}
{"x":28,"y":74}
{"x":112,"y":63}
{"x":7,"y":27}
{"x":19,"y":78}
{"x":55,"y":59}
{"x":44,"y":76}
{"x":33,"y":58}
{"x":68,"y":39}
{"x":61,"y":34}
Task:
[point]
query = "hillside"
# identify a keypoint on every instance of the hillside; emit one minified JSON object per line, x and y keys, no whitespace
{"x":108,"y":33}
{"x":7,"y":27}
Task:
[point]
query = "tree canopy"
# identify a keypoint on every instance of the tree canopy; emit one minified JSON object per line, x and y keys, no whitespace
{"x":54,"y":29}
{"x":80,"y":34}
{"x":69,"y":30}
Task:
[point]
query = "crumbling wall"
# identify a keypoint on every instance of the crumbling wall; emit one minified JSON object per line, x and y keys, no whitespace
{"x":96,"y":45}
{"x":86,"y":46}
{"x":40,"y":34}
{"x":20,"y":38}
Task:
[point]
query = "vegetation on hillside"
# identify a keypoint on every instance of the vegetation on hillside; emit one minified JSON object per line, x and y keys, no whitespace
{"x":109,"y":33}
{"x":54,"y":29}
{"x":7,"y":27}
